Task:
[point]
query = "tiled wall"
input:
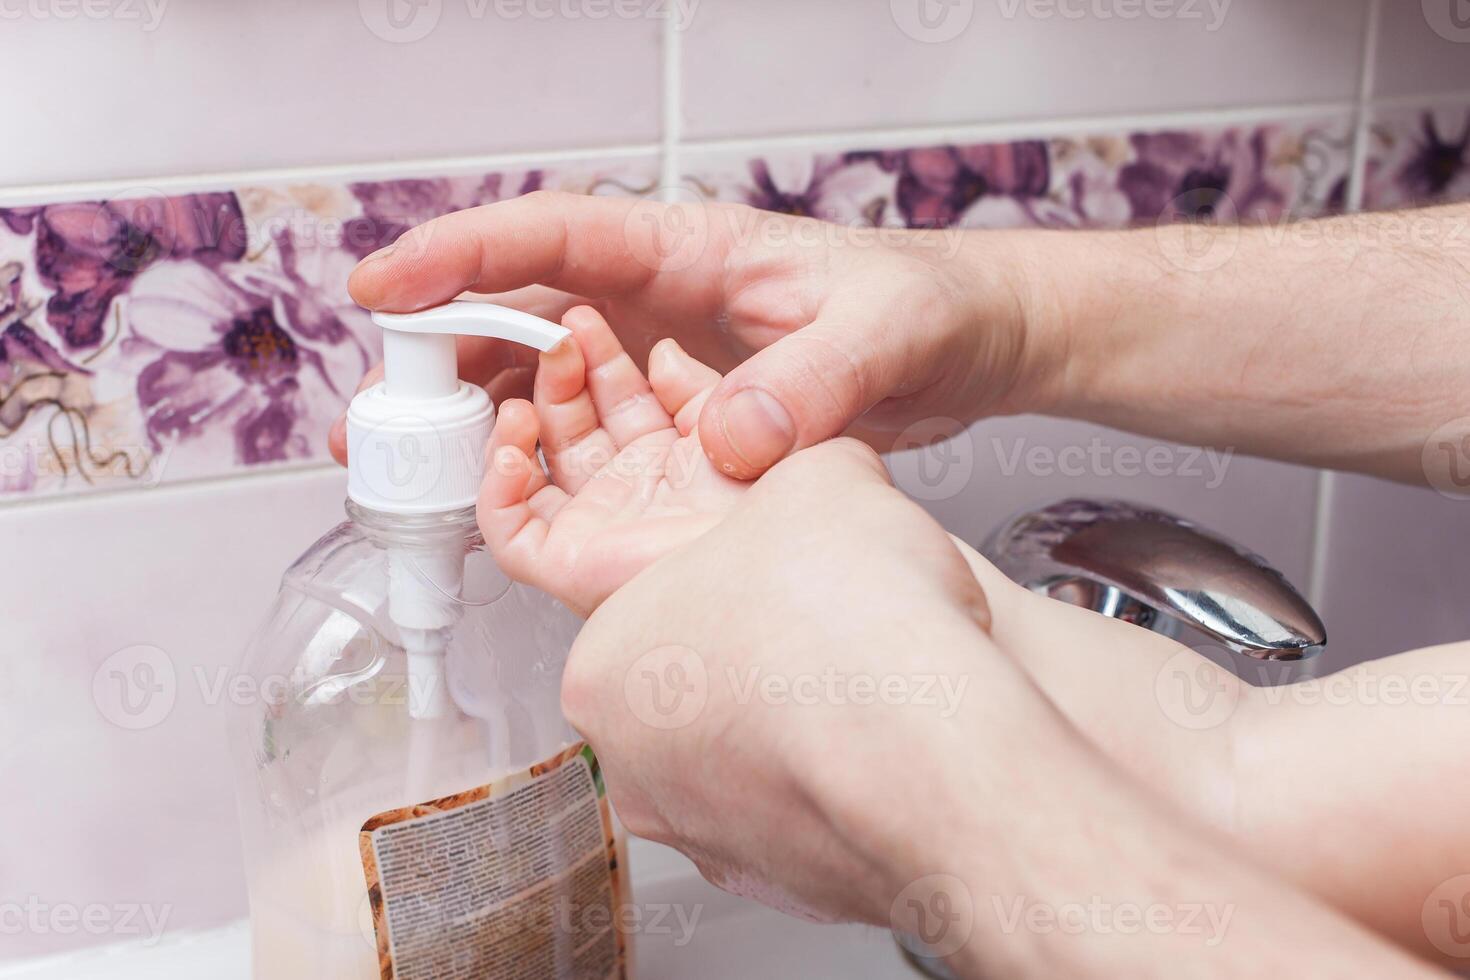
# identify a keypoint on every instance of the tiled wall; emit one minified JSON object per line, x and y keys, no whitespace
{"x":184,"y":187}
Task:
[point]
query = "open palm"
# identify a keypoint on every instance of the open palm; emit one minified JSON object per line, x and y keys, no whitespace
{"x":625,"y":479}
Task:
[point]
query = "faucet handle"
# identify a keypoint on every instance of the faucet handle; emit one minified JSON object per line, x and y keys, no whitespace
{"x":1158,"y":570}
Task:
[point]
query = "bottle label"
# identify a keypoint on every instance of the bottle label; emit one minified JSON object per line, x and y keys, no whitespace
{"x":517,"y":880}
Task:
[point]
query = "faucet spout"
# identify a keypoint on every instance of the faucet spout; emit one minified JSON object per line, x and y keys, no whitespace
{"x":1159,"y":571}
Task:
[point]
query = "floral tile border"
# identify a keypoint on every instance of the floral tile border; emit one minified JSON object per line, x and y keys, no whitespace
{"x":1254,"y":173}
{"x":1418,"y":156}
{"x":160,"y":338}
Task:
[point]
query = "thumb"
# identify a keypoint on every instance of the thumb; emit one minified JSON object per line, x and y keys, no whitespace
{"x":805,"y":388}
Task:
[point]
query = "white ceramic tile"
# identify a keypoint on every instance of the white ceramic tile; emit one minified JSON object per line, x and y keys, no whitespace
{"x":102,"y":814}
{"x":1398,"y":564}
{"x":1423,"y":47}
{"x":218,"y":87}
{"x":1001,"y":467}
{"x":773,"y":66}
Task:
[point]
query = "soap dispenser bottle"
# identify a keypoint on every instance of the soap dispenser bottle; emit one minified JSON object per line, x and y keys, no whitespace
{"x":413,"y":803}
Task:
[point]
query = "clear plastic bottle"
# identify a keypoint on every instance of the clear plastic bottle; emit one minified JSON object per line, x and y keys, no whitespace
{"x":413,"y":803}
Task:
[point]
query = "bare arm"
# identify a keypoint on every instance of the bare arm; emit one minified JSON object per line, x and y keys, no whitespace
{"x":1343,"y":342}
{"x":1352,"y":785}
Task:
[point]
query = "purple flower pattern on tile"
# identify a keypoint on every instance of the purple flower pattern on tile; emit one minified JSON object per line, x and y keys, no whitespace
{"x":832,"y":188}
{"x":1259,"y":173}
{"x":391,"y":207}
{"x":242,"y":351}
{"x":88,"y":252}
{"x":175,"y":337}
{"x":1418,"y":156}
{"x":938,"y":185}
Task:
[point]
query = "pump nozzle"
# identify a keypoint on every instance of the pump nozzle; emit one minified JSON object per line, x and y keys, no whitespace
{"x":416,"y":446}
{"x":416,"y":441}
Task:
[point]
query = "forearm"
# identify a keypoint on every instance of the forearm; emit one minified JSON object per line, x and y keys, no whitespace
{"x":1343,"y":342}
{"x":1274,"y":768}
{"x":1051,"y":862}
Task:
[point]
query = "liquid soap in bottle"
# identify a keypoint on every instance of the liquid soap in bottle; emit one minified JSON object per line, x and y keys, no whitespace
{"x":413,"y":803}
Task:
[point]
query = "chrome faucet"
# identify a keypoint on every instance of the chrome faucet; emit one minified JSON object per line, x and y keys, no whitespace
{"x":1159,"y":571}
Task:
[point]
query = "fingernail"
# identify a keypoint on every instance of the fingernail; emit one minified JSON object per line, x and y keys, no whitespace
{"x":758,"y":428}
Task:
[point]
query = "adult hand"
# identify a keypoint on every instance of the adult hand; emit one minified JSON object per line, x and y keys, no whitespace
{"x":723,"y":687}
{"x":805,"y":700}
{"x":837,"y":323}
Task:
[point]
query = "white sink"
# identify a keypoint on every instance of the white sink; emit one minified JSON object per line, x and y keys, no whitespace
{"x":731,"y":939}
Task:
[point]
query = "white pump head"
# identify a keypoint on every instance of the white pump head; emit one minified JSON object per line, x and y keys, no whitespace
{"x":416,"y":440}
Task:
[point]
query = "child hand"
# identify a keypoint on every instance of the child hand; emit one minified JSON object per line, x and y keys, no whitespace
{"x":626,"y":480}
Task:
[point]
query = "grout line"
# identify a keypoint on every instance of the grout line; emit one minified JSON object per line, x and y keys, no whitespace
{"x":254,"y":475}
{"x":672,"y":68}
{"x":1321,"y":554}
{"x":1426,"y":100}
{"x":1001,"y":130}
{"x":388,"y":169}
{"x":672,"y":144}
{"x":1366,"y":81}
{"x":1321,"y":541}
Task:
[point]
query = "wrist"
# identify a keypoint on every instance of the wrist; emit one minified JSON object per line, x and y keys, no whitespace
{"x":1024,"y":316}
